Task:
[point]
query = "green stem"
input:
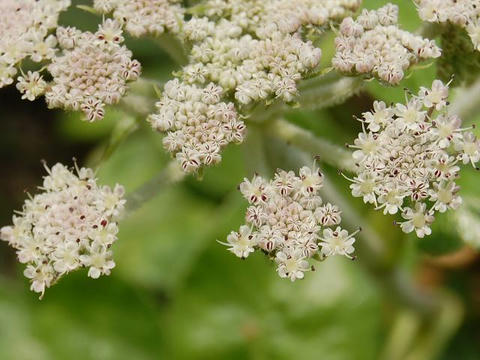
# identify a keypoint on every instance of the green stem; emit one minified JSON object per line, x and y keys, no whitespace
{"x":316,"y":93}
{"x":328,"y":90}
{"x":254,"y":152}
{"x":171,"y":174}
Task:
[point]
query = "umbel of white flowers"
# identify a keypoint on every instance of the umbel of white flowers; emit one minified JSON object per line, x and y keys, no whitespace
{"x":373,"y":44}
{"x":464,"y":13}
{"x":288,"y":221}
{"x":407,"y":158}
{"x":92,"y":70}
{"x":24,"y":29}
{"x":70,"y":225}
{"x":245,"y":51}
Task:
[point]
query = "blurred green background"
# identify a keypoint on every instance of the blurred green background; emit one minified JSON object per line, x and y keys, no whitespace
{"x":177,"y":294}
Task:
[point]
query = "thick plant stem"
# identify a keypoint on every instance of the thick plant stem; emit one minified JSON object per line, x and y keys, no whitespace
{"x":304,"y":140}
{"x":171,"y":174}
{"x":329,"y":90}
{"x":314,"y":94}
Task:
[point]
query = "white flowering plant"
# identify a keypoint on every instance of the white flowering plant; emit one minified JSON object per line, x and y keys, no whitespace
{"x":296,"y":133}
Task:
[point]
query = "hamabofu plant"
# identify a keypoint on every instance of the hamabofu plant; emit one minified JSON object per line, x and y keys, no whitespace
{"x":241,"y":64}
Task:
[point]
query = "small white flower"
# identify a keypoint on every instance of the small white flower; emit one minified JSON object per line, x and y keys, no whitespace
{"x":470,"y":149}
{"x":337,"y":242}
{"x":380,"y":116}
{"x":328,"y":215}
{"x":31,"y":85}
{"x":445,"y":197}
{"x":436,"y":96}
{"x":242,"y":243}
{"x":291,"y":266}
{"x":418,"y":219}
{"x":99,"y":262}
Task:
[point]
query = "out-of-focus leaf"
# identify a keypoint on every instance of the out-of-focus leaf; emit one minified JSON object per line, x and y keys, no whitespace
{"x":237,"y":309}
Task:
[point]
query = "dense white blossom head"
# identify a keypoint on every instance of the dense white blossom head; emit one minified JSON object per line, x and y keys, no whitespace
{"x":373,"y":44}
{"x":93,"y":70}
{"x":71,"y":224}
{"x":463,"y":13}
{"x":289,"y":222}
{"x":408,"y":158}
{"x":25,"y":27}
{"x":141,"y":17}
{"x":256,"y":49}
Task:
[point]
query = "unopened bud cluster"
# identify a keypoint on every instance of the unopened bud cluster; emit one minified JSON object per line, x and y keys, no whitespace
{"x":92,"y":71}
{"x":246,"y":51}
{"x":374,"y":45}
{"x":24,"y":33}
{"x":463,"y":13}
{"x":142,"y":17}
{"x":289,"y":222}
{"x":70,"y":225}
{"x":408,"y":158}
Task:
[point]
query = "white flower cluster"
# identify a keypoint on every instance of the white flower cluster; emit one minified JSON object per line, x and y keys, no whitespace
{"x":70,"y":225}
{"x":464,"y":13}
{"x":24,"y":32}
{"x":408,"y":155}
{"x":373,"y":44}
{"x":288,"y":221}
{"x":247,"y":50}
{"x":141,"y":17}
{"x":92,"y":71}
{"x":198,"y":123}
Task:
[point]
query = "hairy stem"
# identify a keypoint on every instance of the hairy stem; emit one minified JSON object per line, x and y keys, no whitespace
{"x":313,"y":94}
{"x":329,"y":90}
{"x":171,"y":174}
